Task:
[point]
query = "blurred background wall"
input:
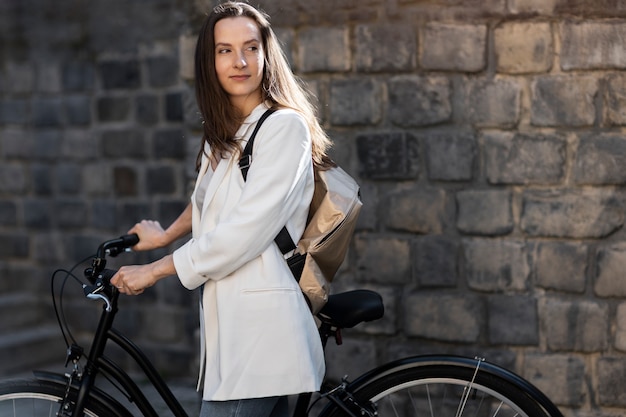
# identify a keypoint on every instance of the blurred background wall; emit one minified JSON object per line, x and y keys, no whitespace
{"x":487,"y":136}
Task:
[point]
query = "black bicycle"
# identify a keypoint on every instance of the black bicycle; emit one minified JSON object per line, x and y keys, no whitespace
{"x":440,"y":385}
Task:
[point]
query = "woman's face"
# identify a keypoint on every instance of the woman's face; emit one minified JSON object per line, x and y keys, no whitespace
{"x":239,"y":61}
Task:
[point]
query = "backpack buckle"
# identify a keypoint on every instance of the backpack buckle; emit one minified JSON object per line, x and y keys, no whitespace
{"x":245,"y":161}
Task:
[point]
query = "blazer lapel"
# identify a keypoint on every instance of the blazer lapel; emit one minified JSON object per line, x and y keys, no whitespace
{"x":216,"y":180}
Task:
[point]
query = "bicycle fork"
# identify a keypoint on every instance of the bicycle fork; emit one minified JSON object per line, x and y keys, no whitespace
{"x":87,"y":378}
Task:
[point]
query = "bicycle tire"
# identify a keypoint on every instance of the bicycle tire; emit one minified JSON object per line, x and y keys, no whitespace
{"x":34,"y":398}
{"x":439,"y":389}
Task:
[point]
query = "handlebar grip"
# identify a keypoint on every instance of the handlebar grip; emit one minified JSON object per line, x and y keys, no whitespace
{"x":130,"y":240}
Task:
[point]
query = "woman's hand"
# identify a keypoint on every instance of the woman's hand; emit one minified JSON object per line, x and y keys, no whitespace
{"x":151,"y":235}
{"x":134,"y":279}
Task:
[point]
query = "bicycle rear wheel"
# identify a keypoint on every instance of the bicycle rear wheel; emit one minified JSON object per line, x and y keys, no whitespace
{"x":33,"y":398}
{"x":443,"y":390}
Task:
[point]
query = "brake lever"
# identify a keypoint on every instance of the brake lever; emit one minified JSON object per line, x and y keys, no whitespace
{"x":96,"y":292}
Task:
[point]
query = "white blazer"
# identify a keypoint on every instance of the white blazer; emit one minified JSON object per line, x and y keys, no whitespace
{"x":259,"y":337}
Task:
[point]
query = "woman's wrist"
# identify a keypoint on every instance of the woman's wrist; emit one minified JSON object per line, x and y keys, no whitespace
{"x":163,"y":268}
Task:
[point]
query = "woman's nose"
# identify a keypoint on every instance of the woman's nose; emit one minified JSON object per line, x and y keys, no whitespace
{"x":240,"y":61}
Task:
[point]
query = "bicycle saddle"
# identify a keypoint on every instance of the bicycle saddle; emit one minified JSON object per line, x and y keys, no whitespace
{"x":347,"y":309}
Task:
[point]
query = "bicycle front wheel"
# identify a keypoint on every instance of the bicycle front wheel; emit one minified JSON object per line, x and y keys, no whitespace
{"x":33,"y":398}
{"x":442,"y":390}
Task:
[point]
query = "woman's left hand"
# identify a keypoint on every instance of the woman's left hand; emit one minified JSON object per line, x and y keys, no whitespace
{"x":133,"y":279}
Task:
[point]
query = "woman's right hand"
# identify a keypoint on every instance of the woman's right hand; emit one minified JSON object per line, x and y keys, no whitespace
{"x":151,"y":235}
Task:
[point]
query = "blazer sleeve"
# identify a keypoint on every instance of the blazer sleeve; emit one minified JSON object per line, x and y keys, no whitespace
{"x":279,"y":183}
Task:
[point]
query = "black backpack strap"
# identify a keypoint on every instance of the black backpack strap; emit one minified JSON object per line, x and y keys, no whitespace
{"x":246,"y":155}
{"x":283,"y":239}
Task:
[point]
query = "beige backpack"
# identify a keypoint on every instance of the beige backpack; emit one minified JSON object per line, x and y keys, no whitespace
{"x":332,"y":218}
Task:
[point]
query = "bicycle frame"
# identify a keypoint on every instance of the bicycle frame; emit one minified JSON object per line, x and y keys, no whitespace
{"x":97,"y":362}
{"x":80,"y":386}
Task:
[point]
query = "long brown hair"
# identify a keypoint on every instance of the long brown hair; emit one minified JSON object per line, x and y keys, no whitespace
{"x":279,"y":87}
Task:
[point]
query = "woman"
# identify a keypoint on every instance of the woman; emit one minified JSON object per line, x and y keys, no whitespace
{"x":260,"y":341}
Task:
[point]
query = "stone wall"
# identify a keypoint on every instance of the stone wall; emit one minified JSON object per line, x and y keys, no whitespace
{"x":487,"y":137}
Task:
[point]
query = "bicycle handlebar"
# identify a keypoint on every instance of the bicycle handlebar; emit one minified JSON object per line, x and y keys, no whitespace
{"x":100,"y":277}
{"x":114,"y":247}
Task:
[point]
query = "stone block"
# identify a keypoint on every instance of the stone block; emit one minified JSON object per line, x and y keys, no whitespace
{"x":42,"y":179}
{"x":48,"y":78}
{"x":575,"y":325}
{"x":620,"y":327}
{"x":162,"y":71}
{"x":125,"y":181}
{"x":450,"y":156}
{"x":120,"y":74}
{"x":523,"y":47}
{"x":78,"y":76}
{"x":129,"y":213}
{"x":98,"y":179}
{"x":599,"y":160}
{"x":484,"y":212}
{"x":169,"y":144}
{"x":615,"y":100}
{"x":19,"y":77}
{"x":382,"y":259}
{"x":561,"y":377}
{"x":186,"y":53}
{"x":14,"y":245}
{"x":563,"y":101}
{"x":611,"y":373}
{"x":610,"y":266}
{"x":355,"y":102}
{"x":8,"y":213}
{"x":493,"y":103}
{"x":592,"y":45}
{"x":79,"y":145}
{"x":524,"y":159}
{"x":352,"y":358}
{"x":314,"y":55}
{"x":542,"y":7}
{"x":435,"y":261}
{"x":68,"y":178}
{"x":161,"y":180}
{"x":168,"y":211}
{"x":14,"y":111}
{"x":450,"y":318}
{"x":496,"y":265}
{"x":561,"y":266}
{"x":103,"y":214}
{"x":147,"y":109}
{"x":416,"y":101}
{"x":416,"y":210}
{"x":512,"y":320}
{"x":13,"y":178}
{"x":47,"y":112}
{"x":574,"y":214}
{"x":47,"y":144}
{"x":286,"y":37}
{"x":373,"y":51}
{"x":123,"y":144}
{"x":174,"y":107}
{"x":16,"y":143}
{"x":113,"y":109}
{"x":38,"y":214}
{"x":387,"y":156}
{"x":454,"y":47}
{"x":70,"y":214}
{"x":77,"y":110}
